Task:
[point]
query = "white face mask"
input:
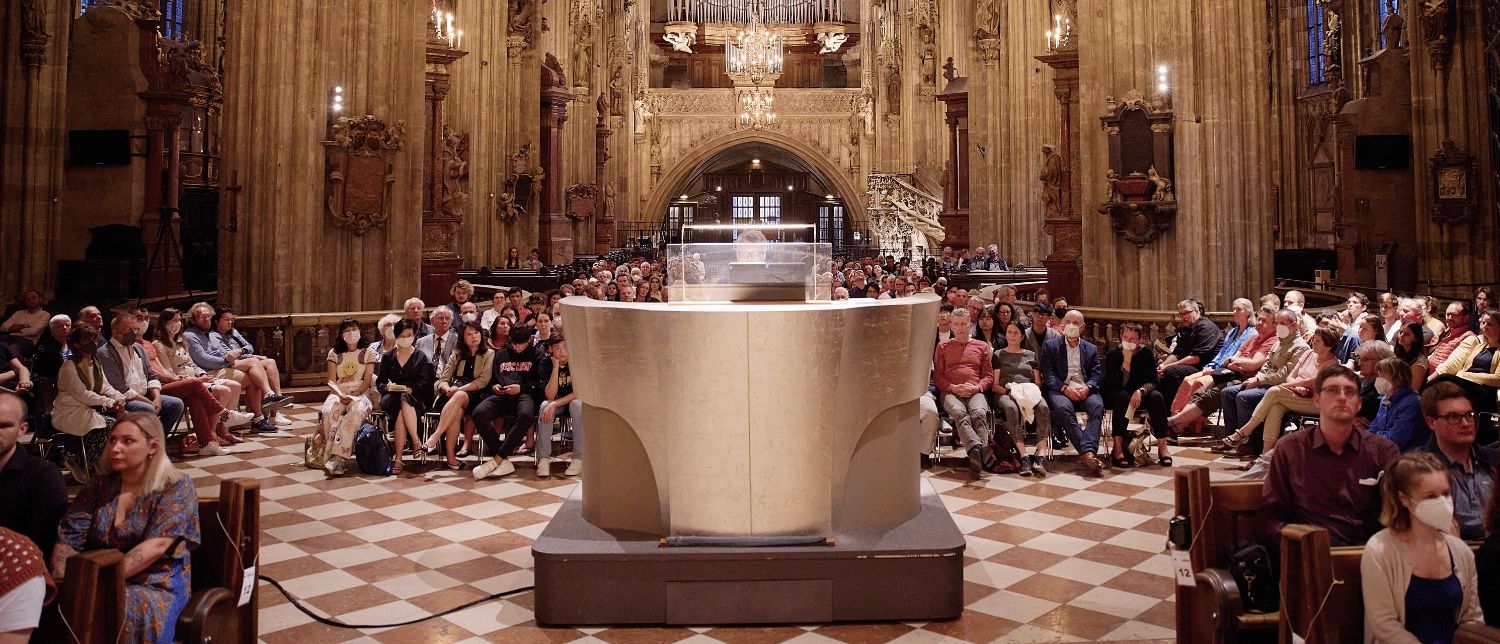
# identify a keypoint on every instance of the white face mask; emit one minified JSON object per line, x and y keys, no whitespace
{"x":1383,"y":386}
{"x":173,"y":328}
{"x":1283,"y":331}
{"x":404,"y":343}
{"x":1129,"y":346}
{"x":1072,"y":331}
{"x":351,"y":337}
{"x":1436,"y":512}
{"x":1295,"y":308}
{"x":470,"y":317}
{"x":142,"y":326}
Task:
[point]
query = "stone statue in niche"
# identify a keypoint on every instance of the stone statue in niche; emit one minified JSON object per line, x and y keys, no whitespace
{"x":522,"y":13}
{"x":455,"y":197}
{"x":986,"y":20}
{"x":1394,"y":25}
{"x":1333,"y":42}
{"x":950,"y":72}
{"x":583,"y":62}
{"x":1051,"y":177}
{"x":609,"y":201}
{"x":617,"y":91}
{"x":1113,"y":179}
{"x":601,"y":107}
{"x":929,"y":66}
{"x":520,"y":186}
{"x":1163,"y":186}
{"x":1435,"y":15}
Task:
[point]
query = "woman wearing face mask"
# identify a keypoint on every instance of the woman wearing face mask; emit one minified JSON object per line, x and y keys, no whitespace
{"x":1400,"y":416}
{"x":210,"y":415}
{"x":85,"y":402}
{"x":1409,"y":348}
{"x":177,"y":362}
{"x":1418,"y":580}
{"x":387,"y":328}
{"x":346,"y":407}
{"x":405,"y":383}
{"x":1130,"y":383}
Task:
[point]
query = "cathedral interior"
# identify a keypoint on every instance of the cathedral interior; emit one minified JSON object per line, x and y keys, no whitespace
{"x":1144,"y":152}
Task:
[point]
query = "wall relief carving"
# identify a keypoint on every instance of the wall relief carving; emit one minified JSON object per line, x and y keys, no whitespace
{"x":520,"y":186}
{"x":454,"y":201}
{"x":1452,"y":197}
{"x":582,"y":199}
{"x":361,"y":171}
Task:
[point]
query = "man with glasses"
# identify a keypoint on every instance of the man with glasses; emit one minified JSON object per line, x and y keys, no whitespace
{"x":1471,"y":467}
{"x":1328,"y":475}
{"x":1457,"y":317}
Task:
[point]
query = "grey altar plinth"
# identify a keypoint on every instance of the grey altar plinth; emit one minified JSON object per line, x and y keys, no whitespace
{"x":750,"y":424}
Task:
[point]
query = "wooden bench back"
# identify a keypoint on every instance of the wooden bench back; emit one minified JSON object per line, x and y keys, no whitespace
{"x":1220,"y":515}
{"x":230,"y":526}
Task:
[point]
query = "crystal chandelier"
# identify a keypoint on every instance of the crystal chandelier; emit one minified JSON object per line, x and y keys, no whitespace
{"x":755,"y":107}
{"x":756,"y":53}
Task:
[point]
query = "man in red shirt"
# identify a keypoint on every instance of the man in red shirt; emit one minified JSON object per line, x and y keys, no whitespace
{"x":962,"y":371}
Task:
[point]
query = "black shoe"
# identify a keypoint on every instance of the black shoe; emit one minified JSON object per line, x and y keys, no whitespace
{"x":1059,"y":442}
{"x":272,"y":403}
{"x":1122,"y":462}
{"x":1034,"y":463}
{"x":976,"y":461}
{"x":264,"y":426}
{"x":926,"y":461}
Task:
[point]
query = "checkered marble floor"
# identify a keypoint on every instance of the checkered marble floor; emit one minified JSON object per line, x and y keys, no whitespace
{"x":1060,"y":559}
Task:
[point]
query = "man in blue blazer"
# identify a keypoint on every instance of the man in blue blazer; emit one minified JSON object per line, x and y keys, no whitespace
{"x":1072,"y":376}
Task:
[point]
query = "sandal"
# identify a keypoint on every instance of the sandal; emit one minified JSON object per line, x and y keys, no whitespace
{"x":463,"y":451}
{"x":453,"y":463}
{"x":1164,"y":460}
{"x":1121,"y":462}
{"x":396,"y":468}
{"x":1230,"y":442}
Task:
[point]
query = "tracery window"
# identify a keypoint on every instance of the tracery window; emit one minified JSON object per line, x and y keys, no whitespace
{"x":1317,"y":66}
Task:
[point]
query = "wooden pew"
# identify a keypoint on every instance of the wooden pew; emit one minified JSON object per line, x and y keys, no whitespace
{"x":91,"y":599}
{"x":1220,"y":516}
{"x":1317,"y":577}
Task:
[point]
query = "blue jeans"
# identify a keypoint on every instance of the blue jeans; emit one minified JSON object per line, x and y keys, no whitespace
{"x":171,"y":410}
{"x":1238,"y":403}
{"x":544,"y":429}
{"x":1065,"y":416}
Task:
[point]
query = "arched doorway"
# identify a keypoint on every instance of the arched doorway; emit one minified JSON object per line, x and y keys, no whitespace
{"x":759,"y":177}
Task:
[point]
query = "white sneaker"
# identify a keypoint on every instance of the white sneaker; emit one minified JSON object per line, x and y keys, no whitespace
{"x":211,"y":449}
{"x":239,"y":419}
{"x":575,"y":467}
{"x":544,"y":467}
{"x":282,"y":421}
{"x":493,"y":468}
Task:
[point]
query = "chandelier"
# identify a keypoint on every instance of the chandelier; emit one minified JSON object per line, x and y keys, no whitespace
{"x":756,"y":52}
{"x":755,"y":107}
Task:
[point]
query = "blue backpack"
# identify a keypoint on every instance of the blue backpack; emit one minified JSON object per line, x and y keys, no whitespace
{"x":371,"y":451}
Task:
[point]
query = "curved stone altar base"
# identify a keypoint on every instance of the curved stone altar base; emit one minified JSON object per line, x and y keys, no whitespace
{"x":746,"y":425}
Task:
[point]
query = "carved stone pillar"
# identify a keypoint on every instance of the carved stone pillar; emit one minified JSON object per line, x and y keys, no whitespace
{"x":604,"y":209}
{"x":1065,"y":226}
{"x":555,"y":230}
{"x":442,"y":203}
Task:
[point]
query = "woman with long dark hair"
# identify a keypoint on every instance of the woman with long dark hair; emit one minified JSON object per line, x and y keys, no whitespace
{"x":350,"y":373}
{"x":1408,"y":347}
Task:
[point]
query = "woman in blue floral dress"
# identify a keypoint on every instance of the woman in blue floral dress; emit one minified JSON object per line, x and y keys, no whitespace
{"x":143,"y":506}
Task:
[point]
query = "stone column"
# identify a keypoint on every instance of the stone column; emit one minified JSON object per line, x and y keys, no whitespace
{"x":604,"y":205}
{"x":1064,"y":271}
{"x":288,"y":254}
{"x":555,"y":230}
{"x":440,"y":258}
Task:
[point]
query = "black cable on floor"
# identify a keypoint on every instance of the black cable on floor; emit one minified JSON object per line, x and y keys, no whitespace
{"x":336,"y":623}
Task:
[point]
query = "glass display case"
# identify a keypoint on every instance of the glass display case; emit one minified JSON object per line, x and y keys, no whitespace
{"x":750,"y":268}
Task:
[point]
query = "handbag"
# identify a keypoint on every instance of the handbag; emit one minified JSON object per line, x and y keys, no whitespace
{"x":314,"y":451}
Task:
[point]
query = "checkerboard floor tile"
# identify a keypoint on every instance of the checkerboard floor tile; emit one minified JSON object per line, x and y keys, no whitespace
{"x":1062,"y":558}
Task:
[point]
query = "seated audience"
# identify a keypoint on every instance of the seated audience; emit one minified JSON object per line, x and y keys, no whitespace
{"x":1408,"y":347}
{"x":91,"y":317}
{"x":1400,"y":415}
{"x":404,"y":380}
{"x":1205,"y":389}
{"x":84,"y":396}
{"x":32,"y":493}
{"x":1294,"y":395}
{"x":1482,"y":302}
{"x":1327,"y":475}
{"x":1072,"y":375}
{"x":1390,"y":316}
{"x":1344,"y":345}
{"x":1130,"y":383}
{"x":1435,"y":327}
{"x":350,"y":374}
{"x":1239,"y":401}
{"x":1474,"y":365}
{"x":1412,"y":310}
{"x":462,"y":292}
{"x":1041,"y":333}
{"x":25,"y":587}
{"x":514,"y":387}
{"x":1354,"y":308}
{"x":1198,"y":343}
{"x":1471,"y":466}
{"x":962,"y":372}
{"x":52,"y":349}
{"x":545,"y":331}
{"x":559,"y":399}
{"x":13,"y":374}
{"x":211,"y":354}
{"x":497,"y":304}
{"x":1457,"y":317}
{"x":439,"y":345}
{"x":1419,"y":582}
{"x":128,"y":370}
{"x":1296,"y":302}
{"x":513,"y":259}
{"x":385,"y":332}
{"x":204,"y":405}
{"x":985,"y":328}
{"x":171,"y":354}
{"x":944,"y":321}
{"x":535,"y":262}
{"x":1018,"y":393}
{"x":143,"y":506}
{"x":460,"y":388}
{"x":412,"y":309}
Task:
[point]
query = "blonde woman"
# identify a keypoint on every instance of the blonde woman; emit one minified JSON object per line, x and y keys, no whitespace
{"x":1418,"y":579}
{"x":143,"y":506}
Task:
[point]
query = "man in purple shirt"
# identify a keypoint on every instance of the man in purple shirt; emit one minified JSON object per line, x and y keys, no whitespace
{"x":1329,"y":475}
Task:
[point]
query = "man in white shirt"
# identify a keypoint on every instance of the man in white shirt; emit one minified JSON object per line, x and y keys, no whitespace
{"x":126,"y":368}
{"x":30,"y":321}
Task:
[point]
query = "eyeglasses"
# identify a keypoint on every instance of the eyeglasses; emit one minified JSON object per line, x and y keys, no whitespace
{"x":1456,"y":418}
{"x":1340,"y":391}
